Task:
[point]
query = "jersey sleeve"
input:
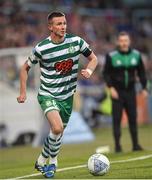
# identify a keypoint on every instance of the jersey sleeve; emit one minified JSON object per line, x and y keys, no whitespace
{"x":107,"y":71}
{"x":84,"y":48}
{"x":35,"y":57}
{"x":141,"y":72}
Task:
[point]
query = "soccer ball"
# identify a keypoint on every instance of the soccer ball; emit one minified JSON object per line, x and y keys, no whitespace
{"x":98,"y":164}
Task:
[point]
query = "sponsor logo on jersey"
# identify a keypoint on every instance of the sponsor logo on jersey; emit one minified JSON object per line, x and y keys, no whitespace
{"x":48,"y":103}
{"x":64,"y":67}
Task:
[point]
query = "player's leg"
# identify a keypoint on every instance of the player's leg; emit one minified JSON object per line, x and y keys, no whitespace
{"x":63,"y":116}
{"x":52,"y":143}
{"x":130,"y":106}
{"x":54,"y":139}
{"x":117,"y":108}
{"x":58,"y":114}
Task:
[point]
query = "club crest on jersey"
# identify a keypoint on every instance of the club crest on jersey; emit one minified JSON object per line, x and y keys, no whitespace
{"x":118,"y":62}
{"x":133,"y":61}
{"x":71,"y":49}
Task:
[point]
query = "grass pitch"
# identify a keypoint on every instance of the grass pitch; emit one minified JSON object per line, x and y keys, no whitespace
{"x":19,"y":161}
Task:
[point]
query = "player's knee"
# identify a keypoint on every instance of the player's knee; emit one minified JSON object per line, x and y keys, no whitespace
{"x":57,"y":130}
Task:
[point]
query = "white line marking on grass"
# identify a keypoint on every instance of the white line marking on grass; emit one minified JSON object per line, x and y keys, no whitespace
{"x":82,"y":166}
{"x":132,"y":159}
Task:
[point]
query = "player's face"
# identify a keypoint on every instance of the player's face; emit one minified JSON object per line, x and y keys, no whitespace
{"x":123,"y":43}
{"x":58,"y":26}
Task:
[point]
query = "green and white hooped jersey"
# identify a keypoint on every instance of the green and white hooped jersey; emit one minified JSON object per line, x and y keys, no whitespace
{"x":58,"y":65}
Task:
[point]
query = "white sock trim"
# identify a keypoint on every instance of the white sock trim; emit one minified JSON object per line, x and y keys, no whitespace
{"x":53,"y":161}
{"x":41,"y":160}
{"x":54,"y":136}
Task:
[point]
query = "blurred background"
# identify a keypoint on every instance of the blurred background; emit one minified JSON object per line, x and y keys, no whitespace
{"x":23,"y":24}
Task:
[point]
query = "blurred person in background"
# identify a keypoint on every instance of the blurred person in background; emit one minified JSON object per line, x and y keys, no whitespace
{"x":104,"y":107}
{"x":58,"y":56}
{"x":120,"y":71}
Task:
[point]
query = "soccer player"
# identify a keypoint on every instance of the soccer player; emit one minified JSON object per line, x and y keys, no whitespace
{"x":58,"y":57}
{"x":122,"y":66}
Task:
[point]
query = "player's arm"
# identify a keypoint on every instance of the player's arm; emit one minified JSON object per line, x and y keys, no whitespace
{"x":142,"y":76}
{"x":23,"y":80}
{"x":91,"y":65}
{"x":107,"y":77}
{"x":33,"y":59}
{"x":89,"y":54}
{"x":107,"y":71}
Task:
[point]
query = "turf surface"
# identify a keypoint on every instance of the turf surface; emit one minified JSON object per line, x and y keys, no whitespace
{"x":19,"y":161}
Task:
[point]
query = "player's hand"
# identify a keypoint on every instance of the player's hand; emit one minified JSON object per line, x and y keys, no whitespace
{"x":85,"y":73}
{"x":144,"y":92}
{"x":114,"y":93}
{"x":21,"y":98}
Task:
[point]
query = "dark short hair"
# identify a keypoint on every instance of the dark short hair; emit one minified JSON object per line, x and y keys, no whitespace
{"x":54,"y":14}
{"x":123,"y":33}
